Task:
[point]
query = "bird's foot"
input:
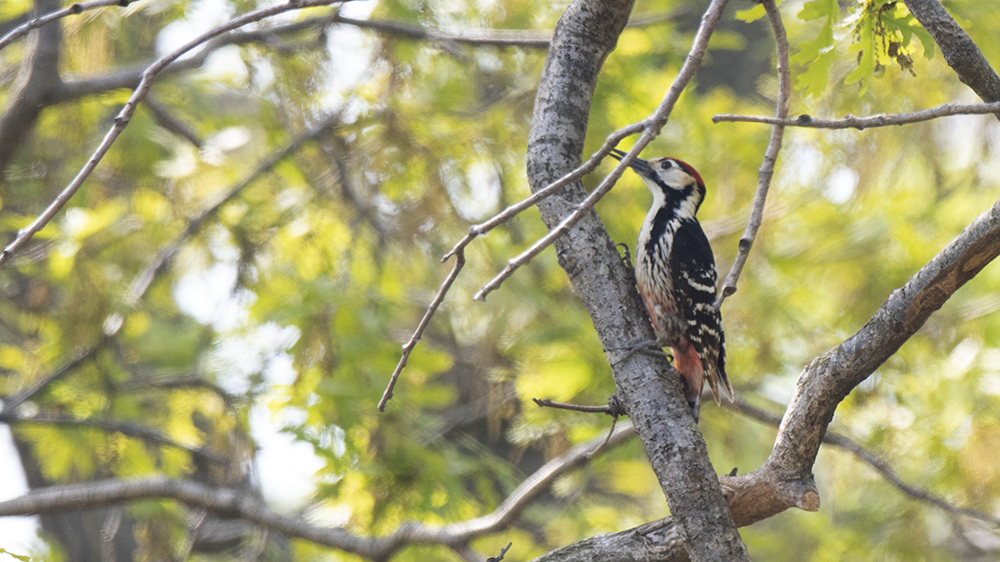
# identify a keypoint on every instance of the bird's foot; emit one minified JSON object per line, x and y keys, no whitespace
{"x":626,"y":257}
{"x":648,"y":347}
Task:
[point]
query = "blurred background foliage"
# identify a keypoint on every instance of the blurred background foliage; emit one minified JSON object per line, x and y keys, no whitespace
{"x":285,"y":307}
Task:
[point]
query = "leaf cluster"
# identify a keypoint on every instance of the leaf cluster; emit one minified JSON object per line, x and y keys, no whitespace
{"x":285,"y":307}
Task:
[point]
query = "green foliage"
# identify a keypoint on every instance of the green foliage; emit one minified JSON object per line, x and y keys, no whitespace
{"x":880,"y":32}
{"x":294,"y":296}
{"x":816,"y":55}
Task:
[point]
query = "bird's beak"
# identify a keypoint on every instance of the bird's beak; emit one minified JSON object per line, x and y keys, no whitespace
{"x":641,"y":166}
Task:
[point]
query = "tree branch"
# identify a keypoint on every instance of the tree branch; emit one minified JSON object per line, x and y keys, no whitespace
{"x":77,"y":8}
{"x":785,"y":479}
{"x":422,"y":326}
{"x":770,"y":154}
{"x":872,"y":460}
{"x":830,"y":377}
{"x":236,"y":504}
{"x":865,"y":122}
{"x":123,"y":117}
{"x":114,"y":426}
{"x":651,"y":129}
{"x":37,"y":78}
{"x":656,"y":541}
{"x":960,"y":51}
{"x":584,"y":35}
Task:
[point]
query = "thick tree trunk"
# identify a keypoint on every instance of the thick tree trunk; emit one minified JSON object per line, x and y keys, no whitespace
{"x":648,"y":387}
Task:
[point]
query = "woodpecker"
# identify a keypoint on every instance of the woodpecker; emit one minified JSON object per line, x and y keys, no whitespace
{"x":675,"y":275}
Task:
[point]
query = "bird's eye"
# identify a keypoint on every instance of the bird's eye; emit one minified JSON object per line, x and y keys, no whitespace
{"x":666,"y":164}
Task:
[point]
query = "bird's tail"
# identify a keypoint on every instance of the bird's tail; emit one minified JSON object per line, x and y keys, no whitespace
{"x":718,"y":381}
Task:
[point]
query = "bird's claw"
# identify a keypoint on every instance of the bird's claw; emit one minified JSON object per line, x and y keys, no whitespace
{"x":649,"y":347}
{"x":626,"y":256}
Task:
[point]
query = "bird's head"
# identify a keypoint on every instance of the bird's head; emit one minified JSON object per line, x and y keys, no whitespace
{"x":675,"y":180}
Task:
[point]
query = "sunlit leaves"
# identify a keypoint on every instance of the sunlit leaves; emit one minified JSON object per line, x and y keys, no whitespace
{"x":880,"y":33}
{"x":816,"y":55}
{"x":320,"y":269}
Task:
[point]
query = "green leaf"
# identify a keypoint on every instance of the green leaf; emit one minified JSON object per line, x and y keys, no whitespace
{"x":866,"y":48}
{"x":751,"y":14}
{"x":819,"y":9}
{"x":816,"y":56}
{"x":813,"y":81}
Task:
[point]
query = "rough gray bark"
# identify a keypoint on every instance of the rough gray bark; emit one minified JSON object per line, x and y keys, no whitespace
{"x":785,"y":479}
{"x":830,"y":377}
{"x":959,"y":50}
{"x":648,"y":387}
{"x":247,"y":508}
{"x":656,"y":541}
{"x":654,"y":403}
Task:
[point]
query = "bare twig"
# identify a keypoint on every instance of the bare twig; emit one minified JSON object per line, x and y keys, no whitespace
{"x":502,"y":552}
{"x":171,"y":123}
{"x":868,"y":121}
{"x":770,"y":155}
{"x":123,"y":117}
{"x":115,"y":426}
{"x":612,"y":408}
{"x":155,"y":266}
{"x":495,"y":221}
{"x":650,"y":127}
{"x":419,"y":332}
{"x":11,"y":404}
{"x":872,"y":460}
{"x":653,"y":123}
{"x":79,"y":7}
{"x":476,"y":37}
{"x":513,"y":210}
{"x":141,"y":283}
{"x":237,"y":504}
{"x":546,"y":403}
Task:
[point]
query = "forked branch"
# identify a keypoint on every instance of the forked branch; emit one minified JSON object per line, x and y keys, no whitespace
{"x":422,"y":326}
{"x":868,"y":121}
{"x":77,"y":8}
{"x":237,"y":504}
{"x":650,"y":128}
{"x":766,"y":171}
{"x":125,"y":115}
